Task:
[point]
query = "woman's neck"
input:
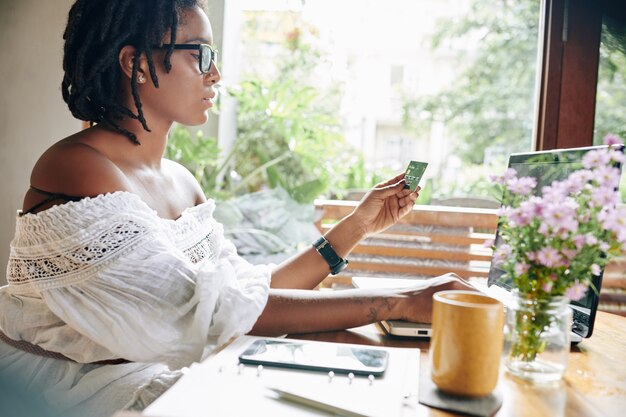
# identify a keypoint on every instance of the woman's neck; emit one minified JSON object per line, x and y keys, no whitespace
{"x":152,"y":144}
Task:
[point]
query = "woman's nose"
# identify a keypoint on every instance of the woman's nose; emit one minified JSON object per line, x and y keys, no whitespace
{"x":213,"y":76}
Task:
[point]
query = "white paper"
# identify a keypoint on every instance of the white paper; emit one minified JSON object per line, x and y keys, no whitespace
{"x":220,"y":387}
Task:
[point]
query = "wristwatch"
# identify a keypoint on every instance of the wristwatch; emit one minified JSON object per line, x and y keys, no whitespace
{"x":334,"y":261}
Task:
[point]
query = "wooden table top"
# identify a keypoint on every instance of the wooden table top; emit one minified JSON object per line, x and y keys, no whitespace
{"x":594,"y":383}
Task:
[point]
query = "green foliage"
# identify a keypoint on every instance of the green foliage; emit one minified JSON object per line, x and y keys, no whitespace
{"x":491,"y":103}
{"x":611,"y":95}
{"x":284,"y":140}
{"x":198,"y":154}
{"x":473,"y":184}
{"x":287,"y":133}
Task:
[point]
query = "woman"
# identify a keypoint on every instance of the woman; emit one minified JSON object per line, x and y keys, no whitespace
{"x":118,"y":273}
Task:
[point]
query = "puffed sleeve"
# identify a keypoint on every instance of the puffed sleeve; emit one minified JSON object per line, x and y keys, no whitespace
{"x":127,"y":289}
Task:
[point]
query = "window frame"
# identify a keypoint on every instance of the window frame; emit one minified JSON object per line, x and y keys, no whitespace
{"x":567,"y":84}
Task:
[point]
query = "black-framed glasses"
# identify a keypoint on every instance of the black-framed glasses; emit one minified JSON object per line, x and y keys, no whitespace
{"x":206,"y":54}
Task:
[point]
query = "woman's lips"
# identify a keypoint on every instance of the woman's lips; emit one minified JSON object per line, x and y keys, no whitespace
{"x":208,"y":100}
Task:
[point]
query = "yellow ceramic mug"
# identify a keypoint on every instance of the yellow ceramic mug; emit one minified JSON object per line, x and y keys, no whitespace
{"x":466,"y":342}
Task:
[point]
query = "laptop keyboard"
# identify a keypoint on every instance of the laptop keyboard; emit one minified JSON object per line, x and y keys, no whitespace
{"x":579,"y":323}
{"x":578,"y":316}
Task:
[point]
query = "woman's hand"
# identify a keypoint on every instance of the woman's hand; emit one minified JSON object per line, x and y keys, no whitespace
{"x":416,"y":304}
{"x":384,"y":205}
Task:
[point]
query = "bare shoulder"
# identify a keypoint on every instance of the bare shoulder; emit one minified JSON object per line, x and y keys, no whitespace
{"x":77,"y":169}
{"x":185,"y":179}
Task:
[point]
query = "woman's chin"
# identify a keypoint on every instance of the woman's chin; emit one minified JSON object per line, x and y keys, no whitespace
{"x":196,"y":121}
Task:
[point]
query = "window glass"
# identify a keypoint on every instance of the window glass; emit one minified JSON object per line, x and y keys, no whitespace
{"x":611,"y":94}
{"x":448,"y":82}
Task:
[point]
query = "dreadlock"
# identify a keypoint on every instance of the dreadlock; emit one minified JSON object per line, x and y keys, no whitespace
{"x":96,"y":32}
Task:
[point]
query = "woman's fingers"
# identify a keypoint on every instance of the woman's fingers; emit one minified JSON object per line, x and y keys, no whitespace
{"x":407,"y":198}
{"x":391,"y":189}
{"x":392,"y":181}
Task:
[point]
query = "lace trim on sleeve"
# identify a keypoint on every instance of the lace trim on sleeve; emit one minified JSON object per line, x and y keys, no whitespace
{"x":205,"y":248}
{"x":75,"y":263}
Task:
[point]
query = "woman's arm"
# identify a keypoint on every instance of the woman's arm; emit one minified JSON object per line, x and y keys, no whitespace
{"x":298,"y":311}
{"x":382,"y":207}
{"x":307,"y":269}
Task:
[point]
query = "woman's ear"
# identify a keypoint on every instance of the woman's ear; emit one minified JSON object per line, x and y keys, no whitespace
{"x":126,"y":58}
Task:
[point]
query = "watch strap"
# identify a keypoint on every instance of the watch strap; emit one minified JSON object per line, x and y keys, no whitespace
{"x":334,"y":261}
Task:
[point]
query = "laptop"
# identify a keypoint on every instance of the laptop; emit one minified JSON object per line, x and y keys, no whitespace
{"x":546,"y":167}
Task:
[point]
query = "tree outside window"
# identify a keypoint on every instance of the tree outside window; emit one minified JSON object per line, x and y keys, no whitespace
{"x":447,"y":82}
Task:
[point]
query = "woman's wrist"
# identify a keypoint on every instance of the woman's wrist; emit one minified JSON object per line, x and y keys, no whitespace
{"x":345,"y":235}
{"x":396,"y":311}
{"x":356,"y":227}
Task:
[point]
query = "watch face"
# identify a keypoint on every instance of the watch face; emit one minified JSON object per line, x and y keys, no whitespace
{"x":339,"y":267}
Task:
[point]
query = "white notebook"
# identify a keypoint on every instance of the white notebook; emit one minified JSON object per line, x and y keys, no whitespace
{"x":219,"y":387}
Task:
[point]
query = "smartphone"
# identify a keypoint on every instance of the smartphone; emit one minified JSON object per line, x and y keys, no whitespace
{"x":414,"y":173}
{"x":316,"y":356}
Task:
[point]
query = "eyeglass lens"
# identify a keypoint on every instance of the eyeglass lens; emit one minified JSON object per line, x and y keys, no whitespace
{"x":208,"y":57}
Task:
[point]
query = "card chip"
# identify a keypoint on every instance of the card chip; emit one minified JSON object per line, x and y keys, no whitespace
{"x":414,"y":173}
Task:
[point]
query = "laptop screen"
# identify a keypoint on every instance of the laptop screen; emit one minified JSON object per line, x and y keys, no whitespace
{"x":546,"y":167}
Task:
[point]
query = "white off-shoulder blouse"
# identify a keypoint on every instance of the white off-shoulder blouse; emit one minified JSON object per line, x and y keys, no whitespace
{"x":105,"y":278}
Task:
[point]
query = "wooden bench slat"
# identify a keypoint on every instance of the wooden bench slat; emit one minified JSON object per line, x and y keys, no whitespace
{"x":420,"y":253}
{"x":414,"y":269}
{"x":455,"y":239}
{"x":428,"y":215}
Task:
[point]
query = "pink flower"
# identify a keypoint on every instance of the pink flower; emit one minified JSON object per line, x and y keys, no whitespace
{"x":576,"y":291}
{"x":569,"y":218}
{"x":521,"y":269}
{"x":501,"y":255}
{"x":574,"y":183}
{"x":527,"y":211}
{"x":555,"y":192}
{"x":521,"y":186}
{"x":488,"y":243}
{"x":510,"y":173}
{"x":495,"y":178}
{"x":616,"y":223}
{"x":595,"y":269}
{"x":561,"y":216}
{"x":502,"y":179}
{"x":504,"y":211}
{"x":590,"y":239}
{"x":520,"y":217}
{"x":569,"y":253}
{"x":607,"y":177}
{"x":549,"y":257}
{"x":579,"y":241}
{"x":581,"y":175}
{"x":612,"y":139}
{"x":584,"y":217}
{"x":603,"y":197}
{"x":617,"y":156}
{"x":544,"y":229}
{"x":596,"y":158}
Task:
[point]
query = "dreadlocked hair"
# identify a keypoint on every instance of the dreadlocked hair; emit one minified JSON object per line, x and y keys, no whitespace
{"x":96,"y":32}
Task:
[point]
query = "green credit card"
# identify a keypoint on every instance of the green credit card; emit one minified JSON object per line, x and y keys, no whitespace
{"x":414,"y":173}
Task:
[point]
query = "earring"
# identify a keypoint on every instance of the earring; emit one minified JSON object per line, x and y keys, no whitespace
{"x":141,"y":79}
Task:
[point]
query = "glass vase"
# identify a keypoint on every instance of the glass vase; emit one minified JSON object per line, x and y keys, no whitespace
{"x":537,"y":337}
